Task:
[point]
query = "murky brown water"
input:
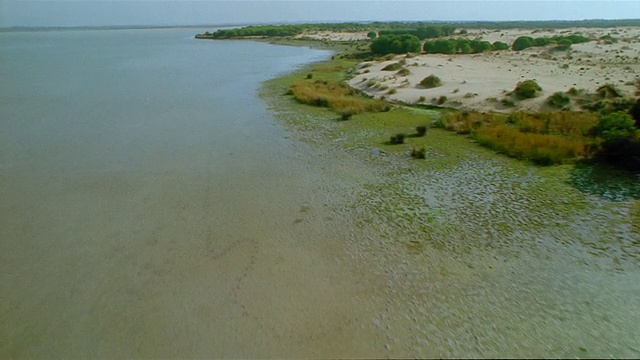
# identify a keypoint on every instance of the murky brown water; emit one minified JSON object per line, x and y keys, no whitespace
{"x":152,"y":207}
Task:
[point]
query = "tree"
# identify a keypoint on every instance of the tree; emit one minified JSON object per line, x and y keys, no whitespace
{"x":372,"y":35}
{"x":396,"y":44}
{"x":432,"y":31}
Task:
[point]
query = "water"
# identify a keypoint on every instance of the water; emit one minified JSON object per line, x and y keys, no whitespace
{"x":151,"y":205}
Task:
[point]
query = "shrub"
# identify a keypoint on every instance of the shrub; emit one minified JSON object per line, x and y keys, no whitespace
{"x":392,"y":91}
{"x":442,"y":99}
{"x":506,"y":102}
{"x":615,"y":125}
{"x":392,"y":67}
{"x":422,"y":99}
{"x":309,"y":76}
{"x":608,"y":91}
{"x":403,"y":72}
{"x":499,"y":45}
{"x":563,"y":45}
{"x":440,"y":46}
{"x":372,"y":35}
{"x":418,"y":153}
{"x":431,"y":81}
{"x":558,"y":100}
{"x":527,"y":89}
{"x":421,"y":130}
{"x":397,"y":139}
{"x":346,"y":115}
{"x":480,"y":46}
{"x":522,"y":43}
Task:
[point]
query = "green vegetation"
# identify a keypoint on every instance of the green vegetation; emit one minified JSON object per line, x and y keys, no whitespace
{"x":559,"y":100}
{"x":462,"y":46}
{"x":418,"y":153}
{"x":544,"y":138}
{"x":430,"y":82}
{"x":422,"y":32}
{"x":421,"y":130}
{"x":336,"y":96}
{"x":397,"y":139}
{"x":392,"y":67}
{"x":527,"y":89}
{"x":395,"y":44}
{"x":522,"y":43}
{"x":563,"y":42}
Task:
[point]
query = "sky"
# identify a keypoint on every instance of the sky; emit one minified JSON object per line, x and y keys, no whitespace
{"x":50,"y":13}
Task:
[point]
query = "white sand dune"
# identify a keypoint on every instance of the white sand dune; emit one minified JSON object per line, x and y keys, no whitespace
{"x":480,"y":81}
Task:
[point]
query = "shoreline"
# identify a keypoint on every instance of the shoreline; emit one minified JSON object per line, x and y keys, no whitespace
{"x":467,"y":223}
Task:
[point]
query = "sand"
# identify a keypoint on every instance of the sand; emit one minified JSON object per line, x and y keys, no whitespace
{"x":480,"y":81}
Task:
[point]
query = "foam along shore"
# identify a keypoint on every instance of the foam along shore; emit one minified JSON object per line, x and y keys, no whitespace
{"x":481,"y":81}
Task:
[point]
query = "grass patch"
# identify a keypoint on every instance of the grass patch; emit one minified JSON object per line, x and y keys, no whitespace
{"x":544,"y":138}
{"x":336,"y":96}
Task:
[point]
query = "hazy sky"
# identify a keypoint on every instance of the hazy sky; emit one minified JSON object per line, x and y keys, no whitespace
{"x":188,"y":12}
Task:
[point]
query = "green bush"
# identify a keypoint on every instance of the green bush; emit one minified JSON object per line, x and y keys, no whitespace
{"x":392,"y":67}
{"x":431,"y":81}
{"x":522,"y":43}
{"x":442,"y":99}
{"x":608,"y":91}
{"x":480,"y":46}
{"x":418,"y":153}
{"x":440,"y":46}
{"x":403,"y":72}
{"x":372,"y":35}
{"x":559,"y":100}
{"x":421,"y":130}
{"x":499,"y":45}
{"x":615,"y":125}
{"x":397,"y":139}
{"x":527,"y":89}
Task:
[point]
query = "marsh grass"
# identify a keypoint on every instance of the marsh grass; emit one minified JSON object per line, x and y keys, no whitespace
{"x":544,"y":138}
{"x":336,"y":96}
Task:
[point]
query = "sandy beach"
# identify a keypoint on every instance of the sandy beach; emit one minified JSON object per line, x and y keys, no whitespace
{"x":480,"y":81}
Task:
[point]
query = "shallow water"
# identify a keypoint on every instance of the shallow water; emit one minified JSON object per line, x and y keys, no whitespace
{"x":151,"y":205}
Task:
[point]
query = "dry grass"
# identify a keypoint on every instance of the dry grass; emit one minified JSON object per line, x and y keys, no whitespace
{"x":539,"y":148}
{"x":336,"y":96}
{"x":545,"y":138}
